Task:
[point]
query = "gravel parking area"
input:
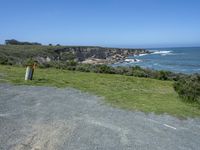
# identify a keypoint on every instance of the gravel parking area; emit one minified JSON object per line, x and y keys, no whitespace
{"x":47,"y":118}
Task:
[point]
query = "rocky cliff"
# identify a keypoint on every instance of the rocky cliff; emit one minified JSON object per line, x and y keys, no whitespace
{"x":109,"y":54}
{"x":17,"y":54}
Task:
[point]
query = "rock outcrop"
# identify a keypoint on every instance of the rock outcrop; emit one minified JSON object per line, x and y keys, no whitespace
{"x":101,"y":54}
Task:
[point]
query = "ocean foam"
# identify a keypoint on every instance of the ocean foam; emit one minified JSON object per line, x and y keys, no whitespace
{"x":132,"y":60}
{"x":158,"y":52}
{"x":142,"y":54}
{"x":163,"y":53}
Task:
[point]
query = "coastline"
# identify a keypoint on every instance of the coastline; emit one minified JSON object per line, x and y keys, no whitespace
{"x":179,"y":60}
{"x":117,"y":57}
{"x":80,"y":54}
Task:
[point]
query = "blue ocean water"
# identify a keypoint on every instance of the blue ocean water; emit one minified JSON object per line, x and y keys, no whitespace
{"x":184,"y":60}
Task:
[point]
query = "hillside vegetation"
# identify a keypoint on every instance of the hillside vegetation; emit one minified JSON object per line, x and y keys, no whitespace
{"x":132,"y":93}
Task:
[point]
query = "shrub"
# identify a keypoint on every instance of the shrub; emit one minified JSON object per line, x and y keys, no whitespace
{"x":83,"y":68}
{"x":139,"y":73}
{"x":188,"y":88}
{"x":45,"y":65}
{"x":163,"y":75}
{"x":71,"y":63}
{"x":3,"y":60}
{"x":122,"y":70}
{"x":30,"y":61}
{"x":104,"y":69}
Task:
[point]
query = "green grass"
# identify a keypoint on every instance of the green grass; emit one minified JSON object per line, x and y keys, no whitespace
{"x":147,"y":95}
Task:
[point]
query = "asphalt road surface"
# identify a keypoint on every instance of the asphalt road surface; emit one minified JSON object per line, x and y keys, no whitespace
{"x":46,"y":118}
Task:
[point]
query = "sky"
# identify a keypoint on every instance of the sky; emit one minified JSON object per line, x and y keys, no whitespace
{"x":113,"y":23}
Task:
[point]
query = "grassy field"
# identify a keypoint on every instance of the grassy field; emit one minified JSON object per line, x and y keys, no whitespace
{"x":147,"y":95}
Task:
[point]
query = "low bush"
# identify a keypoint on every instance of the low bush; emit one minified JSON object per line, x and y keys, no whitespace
{"x":188,"y":88}
{"x":3,"y":60}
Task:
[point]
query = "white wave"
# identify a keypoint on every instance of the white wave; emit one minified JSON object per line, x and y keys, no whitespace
{"x":167,"y":54}
{"x":142,"y":54}
{"x":132,"y":60}
{"x":162,"y":53}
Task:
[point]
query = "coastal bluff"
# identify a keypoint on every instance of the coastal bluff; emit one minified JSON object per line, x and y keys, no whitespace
{"x":100,"y":54}
{"x":18,"y":54}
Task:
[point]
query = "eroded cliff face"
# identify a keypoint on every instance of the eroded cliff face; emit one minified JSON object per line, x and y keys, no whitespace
{"x":18,"y":54}
{"x":110,"y":54}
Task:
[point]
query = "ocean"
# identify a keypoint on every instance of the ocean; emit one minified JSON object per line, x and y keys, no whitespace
{"x":182,"y":60}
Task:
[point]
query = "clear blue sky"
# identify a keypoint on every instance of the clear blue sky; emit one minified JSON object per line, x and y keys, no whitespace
{"x":118,"y":23}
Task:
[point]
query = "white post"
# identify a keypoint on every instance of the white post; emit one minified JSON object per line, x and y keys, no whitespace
{"x":28,"y":73}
